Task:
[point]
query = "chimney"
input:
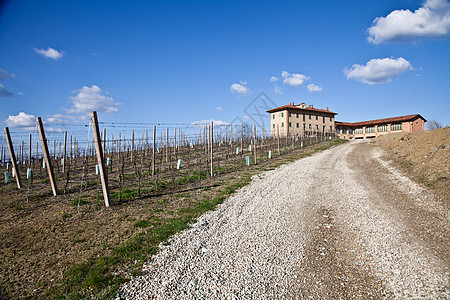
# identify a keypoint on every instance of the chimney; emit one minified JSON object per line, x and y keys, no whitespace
{"x":327,"y":107}
{"x":310,"y":106}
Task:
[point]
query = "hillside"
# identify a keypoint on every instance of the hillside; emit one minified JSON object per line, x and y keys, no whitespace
{"x":425,"y":156}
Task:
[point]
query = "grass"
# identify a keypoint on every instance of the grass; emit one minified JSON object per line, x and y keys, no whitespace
{"x":97,"y":276}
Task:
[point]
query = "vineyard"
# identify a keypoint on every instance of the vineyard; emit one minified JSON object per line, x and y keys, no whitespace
{"x":140,"y":166}
{"x":160,"y":179}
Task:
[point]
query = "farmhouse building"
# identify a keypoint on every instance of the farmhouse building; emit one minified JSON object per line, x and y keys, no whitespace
{"x":376,"y":128}
{"x":299,"y":120}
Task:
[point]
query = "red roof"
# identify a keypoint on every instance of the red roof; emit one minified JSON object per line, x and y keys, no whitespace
{"x":382,"y":121}
{"x":293,"y":107}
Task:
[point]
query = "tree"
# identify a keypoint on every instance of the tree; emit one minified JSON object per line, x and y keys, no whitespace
{"x":433,"y":124}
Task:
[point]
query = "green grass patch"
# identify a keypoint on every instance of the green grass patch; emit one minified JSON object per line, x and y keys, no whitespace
{"x":142,"y":223}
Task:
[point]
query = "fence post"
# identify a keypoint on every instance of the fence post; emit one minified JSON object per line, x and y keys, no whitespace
{"x":100,"y":160}
{"x":29,"y":154}
{"x":132,"y":144}
{"x":154,"y":146}
{"x":212,"y":147}
{"x":65,"y":152}
{"x":13,"y":157}
{"x":51,"y":176}
{"x":254,"y":142}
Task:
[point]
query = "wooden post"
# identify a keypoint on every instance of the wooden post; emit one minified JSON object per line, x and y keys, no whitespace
{"x":154,"y":149}
{"x":242,"y":138}
{"x":65,"y":152}
{"x":211,"y":138}
{"x":13,"y":157}
{"x":175,"y":143}
{"x":29,"y":155}
{"x":132,"y":144}
{"x":51,"y":176}
{"x":100,"y":160}
{"x":167,"y":144}
{"x":254,"y":142}
{"x":104,"y":142}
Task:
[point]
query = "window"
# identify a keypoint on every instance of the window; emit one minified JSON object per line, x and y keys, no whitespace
{"x":370,"y":129}
{"x":304,"y":116}
{"x":350,"y":131}
{"x":297,"y":116}
{"x":290,"y":125}
{"x":304,"y":127}
{"x":273,"y":116}
{"x":282,"y":124}
{"x":397,"y":126}
{"x":273,"y":126}
{"x":323,"y":128}
{"x":317,"y":118}
{"x":323,"y":119}
{"x":344,"y":131}
{"x":309,"y":126}
{"x":310,"y":117}
{"x":282,"y":114}
{"x":383,"y":128}
{"x":317,"y":127}
{"x":358,"y":131}
{"x":290,"y":115}
{"x":331,"y":128}
{"x":298,"y":125}
{"x":331,"y":119}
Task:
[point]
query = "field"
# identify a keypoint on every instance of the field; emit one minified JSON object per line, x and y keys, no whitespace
{"x":71,"y":245}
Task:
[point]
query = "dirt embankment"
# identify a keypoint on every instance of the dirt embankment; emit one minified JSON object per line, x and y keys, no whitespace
{"x":424,"y":155}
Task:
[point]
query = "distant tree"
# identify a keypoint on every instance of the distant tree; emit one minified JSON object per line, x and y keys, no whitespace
{"x":433,"y":124}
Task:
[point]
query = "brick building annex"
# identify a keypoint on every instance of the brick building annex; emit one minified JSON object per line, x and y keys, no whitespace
{"x":301,"y":120}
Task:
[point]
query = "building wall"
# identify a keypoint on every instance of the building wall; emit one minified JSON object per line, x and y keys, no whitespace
{"x":286,"y":122}
{"x":365,"y":132}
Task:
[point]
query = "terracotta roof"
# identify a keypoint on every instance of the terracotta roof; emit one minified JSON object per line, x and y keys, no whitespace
{"x":285,"y":107}
{"x":382,"y":121}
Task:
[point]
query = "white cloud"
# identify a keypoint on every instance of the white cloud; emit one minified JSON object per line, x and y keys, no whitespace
{"x":219,"y":108}
{"x":240,"y":88}
{"x":91,"y":98}
{"x":208,"y":122}
{"x":278,"y":90}
{"x":20,"y":93}
{"x":60,"y":119}
{"x":21,"y":120}
{"x":313,"y":88}
{"x":4,"y":92}
{"x":247,"y":117}
{"x":273,"y":79}
{"x":378,"y":70}
{"x":431,"y":20}
{"x":294,"y":79}
{"x":50,"y":53}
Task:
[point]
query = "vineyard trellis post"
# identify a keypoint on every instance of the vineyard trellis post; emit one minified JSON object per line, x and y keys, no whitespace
{"x":29,"y":154}
{"x":65,"y":152}
{"x":100,"y":158}
{"x":13,"y":157}
{"x":51,"y":176}
{"x":154,"y":154}
{"x":212,"y":147}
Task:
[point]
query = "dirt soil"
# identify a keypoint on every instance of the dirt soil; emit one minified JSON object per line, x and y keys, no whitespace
{"x":425,"y":156}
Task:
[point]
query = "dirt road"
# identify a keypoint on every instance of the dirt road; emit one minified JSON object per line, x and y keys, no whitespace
{"x":343,"y":223}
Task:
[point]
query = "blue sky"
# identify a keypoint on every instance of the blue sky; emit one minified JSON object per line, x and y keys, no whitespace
{"x":187,"y":61}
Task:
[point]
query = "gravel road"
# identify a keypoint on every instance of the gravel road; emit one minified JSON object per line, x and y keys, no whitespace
{"x":343,"y":223}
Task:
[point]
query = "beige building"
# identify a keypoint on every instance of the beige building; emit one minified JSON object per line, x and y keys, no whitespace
{"x":301,"y":120}
{"x":375,"y":128}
